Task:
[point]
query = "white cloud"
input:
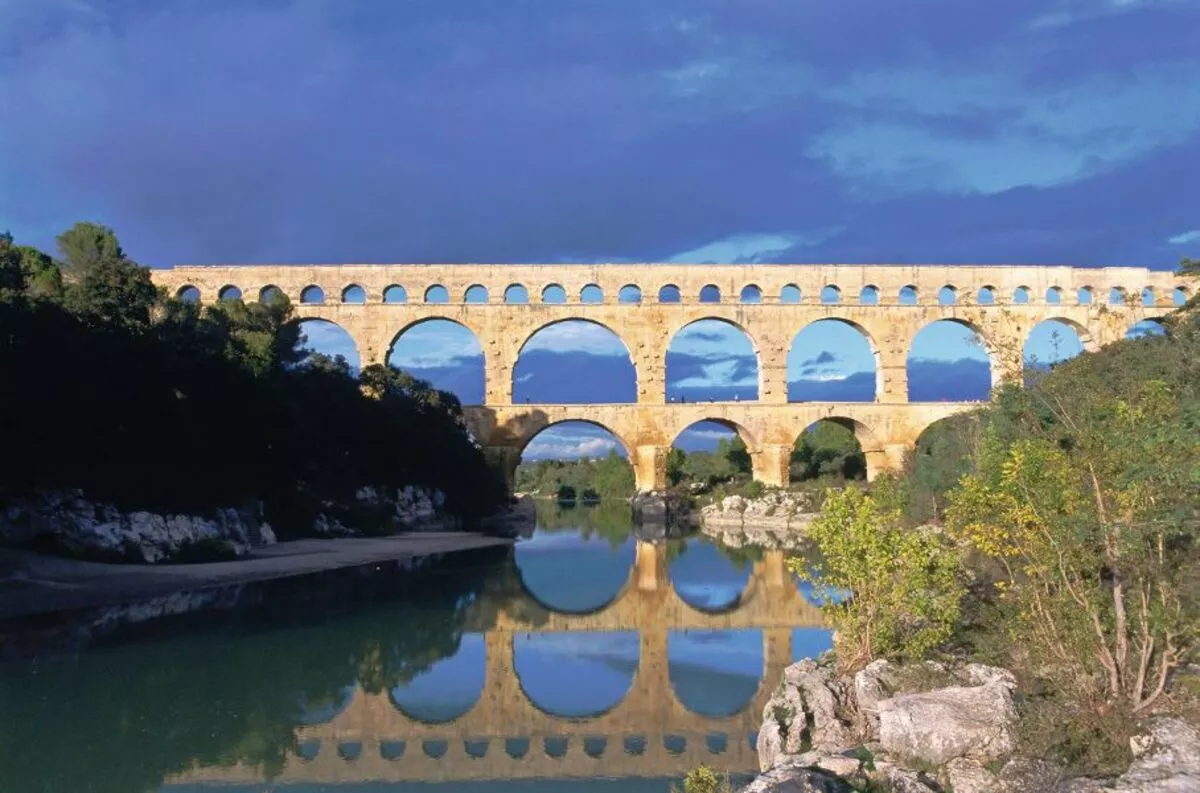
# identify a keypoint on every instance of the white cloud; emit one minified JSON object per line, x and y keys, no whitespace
{"x":720,"y":373}
{"x":740,"y":248}
{"x":570,"y":448}
{"x":577,"y":337}
{"x":1185,"y":238}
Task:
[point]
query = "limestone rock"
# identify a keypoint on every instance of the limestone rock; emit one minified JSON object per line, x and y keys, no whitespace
{"x":791,"y":778}
{"x":869,"y":689}
{"x":1167,"y":760}
{"x":940,"y":725}
{"x":965,"y":775}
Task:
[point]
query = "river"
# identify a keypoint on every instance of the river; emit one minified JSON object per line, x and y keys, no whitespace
{"x":592,"y":656}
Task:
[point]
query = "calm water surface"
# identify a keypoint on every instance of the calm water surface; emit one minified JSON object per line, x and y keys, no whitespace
{"x":588,"y":658}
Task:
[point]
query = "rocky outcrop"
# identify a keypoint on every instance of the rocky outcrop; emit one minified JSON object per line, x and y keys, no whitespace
{"x":515,"y":519}
{"x":936,"y":727}
{"x":776,"y":519}
{"x":1166,"y":760}
{"x":68,"y":523}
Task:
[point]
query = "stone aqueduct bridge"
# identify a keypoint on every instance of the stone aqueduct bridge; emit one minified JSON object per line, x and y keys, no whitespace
{"x":886,"y":428}
{"x":504,"y":735}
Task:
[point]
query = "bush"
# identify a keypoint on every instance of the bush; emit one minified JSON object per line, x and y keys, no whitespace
{"x":889,"y":592}
{"x":704,"y":780}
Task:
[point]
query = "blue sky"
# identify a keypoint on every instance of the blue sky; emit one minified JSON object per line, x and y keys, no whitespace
{"x":1028,"y":131}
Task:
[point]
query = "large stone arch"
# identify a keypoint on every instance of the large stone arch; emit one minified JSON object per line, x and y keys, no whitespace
{"x":988,"y":344}
{"x":525,"y":645}
{"x":318,"y":321}
{"x":535,"y":330}
{"x":739,"y":697}
{"x":471,"y":656}
{"x":425,"y":320}
{"x":874,"y":445}
{"x":872,"y":345}
{"x":679,"y":326}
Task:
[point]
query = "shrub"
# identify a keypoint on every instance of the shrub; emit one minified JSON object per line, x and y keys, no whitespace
{"x":888,"y":591}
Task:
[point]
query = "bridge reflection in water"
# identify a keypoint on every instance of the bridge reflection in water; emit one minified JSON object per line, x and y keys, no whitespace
{"x":681,"y":707}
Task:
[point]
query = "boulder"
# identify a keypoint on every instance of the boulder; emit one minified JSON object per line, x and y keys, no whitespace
{"x":791,"y":778}
{"x":804,"y":713}
{"x":965,"y":775}
{"x":959,"y":721}
{"x":1166,"y":760}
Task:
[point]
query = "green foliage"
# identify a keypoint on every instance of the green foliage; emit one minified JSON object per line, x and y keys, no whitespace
{"x":828,"y":450}
{"x":153,"y":403}
{"x":943,"y":455}
{"x":565,"y":493}
{"x":1084,"y":495}
{"x":704,"y":780}
{"x":610,"y":477}
{"x":12,"y":281}
{"x":734,"y":451}
{"x":889,"y":592}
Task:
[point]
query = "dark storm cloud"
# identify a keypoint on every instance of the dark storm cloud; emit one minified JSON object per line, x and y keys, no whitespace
{"x":478,"y":131}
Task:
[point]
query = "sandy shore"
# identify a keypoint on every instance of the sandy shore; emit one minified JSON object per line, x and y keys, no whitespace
{"x":33,"y":584}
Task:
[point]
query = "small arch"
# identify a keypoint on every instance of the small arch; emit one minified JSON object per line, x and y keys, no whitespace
{"x":476,"y":293}
{"x":1148,"y":296}
{"x":634,"y":745}
{"x":1083,"y":296}
{"x":1054,"y":296}
{"x":516,"y":748}
{"x":556,"y":747}
{"x":710,"y":293}
{"x":354,"y":294}
{"x":594,"y":746}
{"x":437,"y":294}
{"x":554,"y":293}
{"x":392,"y":750}
{"x":1021,"y":296}
{"x":907,"y":296}
{"x":750,"y":294}
{"x":476,"y":749}
{"x":395,"y":294}
{"x":1050,"y":342}
{"x":312,"y":295}
{"x":986,"y":296}
{"x":669,"y":294}
{"x":1116,"y":296}
{"x":831,"y":295}
{"x":229,"y":292}
{"x":675,"y":744}
{"x":516,"y":294}
{"x":869,"y":295}
{"x":308,"y":750}
{"x":790,"y":294}
{"x":350,"y":750}
{"x":1179,"y":296}
{"x":630,"y":293}
{"x":270,"y":295}
{"x":947,"y":295}
{"x":591,"y":293}
{"x":190,"y":294}
{"x":435,"y":749}
{"x":326,"y":710}
{"x":716,"y":742}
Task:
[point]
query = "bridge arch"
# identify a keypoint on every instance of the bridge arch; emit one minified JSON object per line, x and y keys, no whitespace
{"x":444,"y":352}
{"x":790,"y":294}
{"x":716,"y":684}
{"x":710,"y":293}
{"x":864,"y":462}
{"x":188,"y":294}
{"x":1047,"y":345}
{"x":354,"y":294}
{"x":327,"y":337}
{"x":869,"y":296}
{"x":229,"y":292}
{"x":457,"y":679}
{"x":630,"y":293}
{"x":669,"y":293}
{"x":554,"y":294}
{"x":395,"y":294}
{"x":476,"y":293}
{"x":591,"y":293}
{"x":270,"y":295}
{"x":928,"y":364}
{"x":516,"y":294}
{"x":692,"y":351}
{"x":817,"y":365}
{"x":750,"y":294}
{"x":568,"y":389}
{"x":608,"y":661}
{"x":312,"y":295}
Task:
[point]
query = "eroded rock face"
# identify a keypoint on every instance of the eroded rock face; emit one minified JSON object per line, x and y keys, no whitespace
{"x":776,"y":519}
{"x":805,"y":713}
{"x":798,"y":779}
{"x":79,"y":526}
{"x":939,"y":726}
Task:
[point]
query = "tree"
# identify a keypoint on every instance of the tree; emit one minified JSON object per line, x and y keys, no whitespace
{"x":888,"y":591}
{"x":102,"y":285}
{"x":1084,"y":494}
{"x":12,"y":281}
{"x":43,"y":278}
{"x":735,"y":453}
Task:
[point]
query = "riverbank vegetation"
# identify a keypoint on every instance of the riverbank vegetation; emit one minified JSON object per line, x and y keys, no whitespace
{"x":1053,"y":532}
{"x":148,"y":402}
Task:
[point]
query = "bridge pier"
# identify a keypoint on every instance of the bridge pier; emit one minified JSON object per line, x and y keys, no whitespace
{"x":650,"y":468}
{"x":771,"y":464}
{"x":504,"y":459}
